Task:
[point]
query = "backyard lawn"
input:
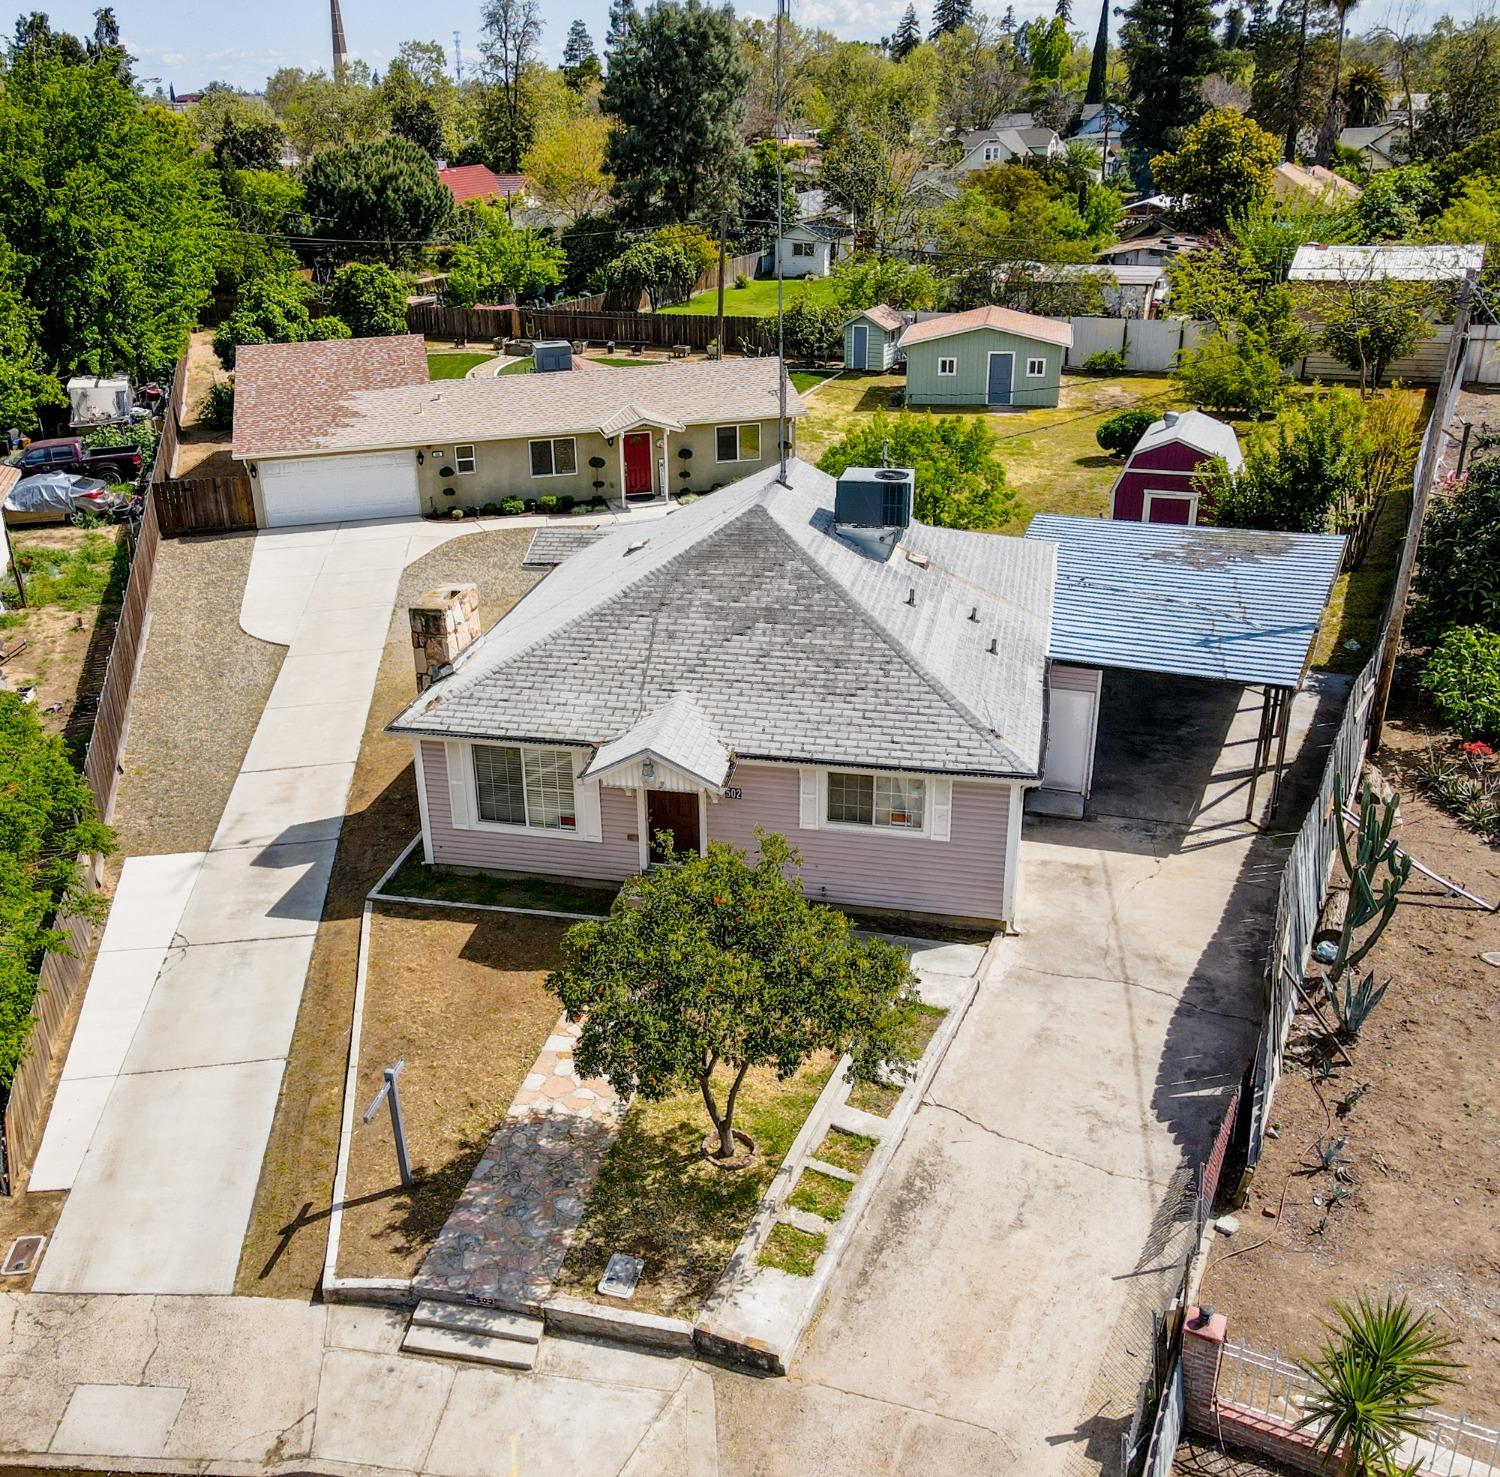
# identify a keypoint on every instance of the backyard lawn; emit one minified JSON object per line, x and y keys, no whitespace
{"x":453,"y":366}
{"x":757,"y":299}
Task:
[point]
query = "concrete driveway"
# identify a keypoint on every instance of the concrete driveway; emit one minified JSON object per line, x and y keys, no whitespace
{"x":993,"y":1311}
{"x":170,"y":1086}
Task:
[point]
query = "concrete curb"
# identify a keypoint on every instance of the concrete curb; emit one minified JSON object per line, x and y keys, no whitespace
{"x":772,"y":1345}
{"x":335,"y":1288}
{"x":439,"y":902}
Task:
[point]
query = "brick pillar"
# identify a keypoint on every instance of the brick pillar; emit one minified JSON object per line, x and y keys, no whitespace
{"x":443,"y":622}
{"x":1202,"y":1349}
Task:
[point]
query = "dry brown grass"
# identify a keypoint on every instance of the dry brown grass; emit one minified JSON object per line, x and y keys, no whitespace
{"x":458,"y":997}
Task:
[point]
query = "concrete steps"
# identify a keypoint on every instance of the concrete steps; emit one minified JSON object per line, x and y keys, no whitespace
{"x":481,"y":1335}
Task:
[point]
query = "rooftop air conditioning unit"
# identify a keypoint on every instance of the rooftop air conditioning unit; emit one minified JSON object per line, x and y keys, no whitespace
{"x":551,"y":354}
{"x":872,"y":506}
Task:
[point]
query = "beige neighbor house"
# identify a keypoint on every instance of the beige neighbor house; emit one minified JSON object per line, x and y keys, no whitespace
{"x":352,"y":428}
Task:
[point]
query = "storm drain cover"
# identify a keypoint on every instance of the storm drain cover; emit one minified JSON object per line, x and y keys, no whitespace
{"x":24,"y":1253}
{"x":621,"y":1276}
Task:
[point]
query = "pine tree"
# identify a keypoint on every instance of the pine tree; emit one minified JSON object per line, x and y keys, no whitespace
{"x":1234,"y":28}
{"x":623,"y":17}
{"x":1258,"y":24}
{"x":949,"y":15}
{"x":908,"y":36}
{"x":580,"y":63}
{"x":1099,"y":66}
{"x":1169,"y":48}
{"x":1065,"y":11}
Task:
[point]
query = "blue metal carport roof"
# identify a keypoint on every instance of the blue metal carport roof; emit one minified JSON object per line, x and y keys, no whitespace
{"x":1229,"y":604}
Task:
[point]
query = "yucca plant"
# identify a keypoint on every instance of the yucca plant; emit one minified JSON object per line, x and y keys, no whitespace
{"x":1373,"y":1380}
{"x":1352,"y":1000}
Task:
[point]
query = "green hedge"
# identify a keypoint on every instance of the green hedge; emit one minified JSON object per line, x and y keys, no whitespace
{"x":1462,"y":676}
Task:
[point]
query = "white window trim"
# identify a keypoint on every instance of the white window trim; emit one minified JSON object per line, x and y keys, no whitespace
{"x":738,"y":426}
{"x":937,"y":805}
{"x":951,"y":370}
{"x":459,"y":459}
{"x":1035,"y":368}
{"x":463,"y":789}
{"x":1190,"y":498}
{"x":803,"y":248}
{"x":551,"y":441}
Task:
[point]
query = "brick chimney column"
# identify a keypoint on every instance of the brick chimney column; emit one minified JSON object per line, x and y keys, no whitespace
{"x":1202,"y":1351}
{"x":443,"y":622}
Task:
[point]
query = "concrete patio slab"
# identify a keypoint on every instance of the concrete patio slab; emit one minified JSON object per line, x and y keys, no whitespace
{"x":259,"y":892}
{"x":379,"y":1410}
{"x":118,"y":1420}
{"x":279,"y":806}
{"x":118,"y":991}
{"x":149,"y":900}
{"x":162,"y":1198}
{"x":335,"y":678}
{"x":350,"y":628}
{"x":77,"y":1107}
{"x":222,"y":1003}
{"x":322,"y":733}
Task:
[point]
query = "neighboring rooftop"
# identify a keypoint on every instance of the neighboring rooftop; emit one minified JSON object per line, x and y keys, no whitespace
{"x":550,"y":546}
{"x":1231,"y":604}
{"x":826,"y":227}
{"x":1314,"y":181}
{"x":1007,"y":320}
{"x":327,"y":412}
{"x":468,"y":182}
{"x":1193,"y":428}
{"x":882,"y":316}
{"x":1391,"y":262}
{"x":288,"y":397}
{"x":792,"y":643}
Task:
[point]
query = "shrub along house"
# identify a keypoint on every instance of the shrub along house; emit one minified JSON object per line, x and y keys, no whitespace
{"x":349,"y":429}
{"x":802,"y":659}
{"x":1158,"y":484}
{"x":987,"y":356}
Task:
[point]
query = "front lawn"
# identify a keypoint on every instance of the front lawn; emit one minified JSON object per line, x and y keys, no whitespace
{"x":453,"y":366}
{"x":416,"y":879}
{"x":659,"y":1199}
{"x":758,"y":299}
{"x":804,"y":379}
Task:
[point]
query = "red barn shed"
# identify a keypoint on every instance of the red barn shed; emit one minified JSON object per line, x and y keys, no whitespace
{"x":1157,"y":483}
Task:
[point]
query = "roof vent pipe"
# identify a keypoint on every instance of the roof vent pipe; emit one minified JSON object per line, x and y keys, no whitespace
{"x":974,"y":614}
{"x":1170,"y":418}
{"x":994,"y":646}
{"x":911,"y":596}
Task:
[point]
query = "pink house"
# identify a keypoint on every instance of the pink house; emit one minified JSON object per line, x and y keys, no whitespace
{"x":1157,"y":485}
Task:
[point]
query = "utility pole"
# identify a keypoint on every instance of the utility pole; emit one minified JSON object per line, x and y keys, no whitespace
{"x":781,"y":420}
{"x":1421,"y":496}
{"x":723,"y":233}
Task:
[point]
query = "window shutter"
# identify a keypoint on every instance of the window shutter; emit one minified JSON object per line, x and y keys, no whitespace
{"x":460,"y":786}
{"x":940,"y":801}
{"x":809,"y":818}
{"x":586,"y":801}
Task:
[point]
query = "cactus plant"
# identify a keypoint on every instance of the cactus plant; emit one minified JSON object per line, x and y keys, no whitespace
{"x":1375,"y":849}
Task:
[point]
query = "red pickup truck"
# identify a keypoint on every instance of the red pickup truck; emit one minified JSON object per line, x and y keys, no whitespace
{"x":69,"y":454}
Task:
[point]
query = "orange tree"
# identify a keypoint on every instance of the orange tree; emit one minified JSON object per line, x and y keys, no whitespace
{"x":716,"y":961}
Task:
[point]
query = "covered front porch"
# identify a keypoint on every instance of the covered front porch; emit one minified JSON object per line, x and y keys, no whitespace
{"x":642,"y":445}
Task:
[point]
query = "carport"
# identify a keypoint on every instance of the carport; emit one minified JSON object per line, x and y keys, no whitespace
{"x":1220,"y":605}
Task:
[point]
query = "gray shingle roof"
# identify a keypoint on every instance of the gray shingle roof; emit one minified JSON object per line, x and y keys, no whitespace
{"x":551,"y":546}
{"x":678,"y":734}
{"x":794,"y":644}
{"x":1231,"y":604}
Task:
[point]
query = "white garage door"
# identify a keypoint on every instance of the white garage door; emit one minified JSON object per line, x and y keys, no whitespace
{"x":333,"y":489}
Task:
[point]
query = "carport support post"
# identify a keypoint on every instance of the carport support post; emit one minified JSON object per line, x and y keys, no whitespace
{"x":1262,"y":748}
{"x":1284,"y":724}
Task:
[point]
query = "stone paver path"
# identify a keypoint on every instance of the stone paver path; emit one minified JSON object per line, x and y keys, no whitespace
{"x":513,"y":1224}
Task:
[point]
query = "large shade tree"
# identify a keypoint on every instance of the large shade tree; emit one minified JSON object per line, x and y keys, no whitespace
{"x":1169,"y":48}
{"x":1222,"y":169}
{"x":715,"y":965}
{"x":377,"y":201}
{"x":676,"y":90}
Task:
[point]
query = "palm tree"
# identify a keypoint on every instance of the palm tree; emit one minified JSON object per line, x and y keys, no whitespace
{"x":1367,"y":97}
{"x":1334,"y":122}
{"x":1372,"y":1382}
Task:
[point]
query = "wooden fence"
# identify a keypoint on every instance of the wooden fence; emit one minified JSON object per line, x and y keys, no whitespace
{"x":657,"y":330}
{"x":203,"y":505}
{"x":735,"y":266}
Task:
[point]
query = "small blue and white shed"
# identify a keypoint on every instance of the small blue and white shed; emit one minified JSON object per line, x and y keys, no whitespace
{"x":870,"y":338}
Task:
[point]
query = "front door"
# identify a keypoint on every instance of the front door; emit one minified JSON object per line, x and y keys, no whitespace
{"x":676,"y":813}
{"x":1002,"y":374}
{"x":1070,"y":740}
{"x":638,"y":464}
{"x":860,"y":346}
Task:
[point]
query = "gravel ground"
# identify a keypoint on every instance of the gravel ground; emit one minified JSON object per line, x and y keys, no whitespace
{"x":198,"y":696}
{"x":284,"y":1245}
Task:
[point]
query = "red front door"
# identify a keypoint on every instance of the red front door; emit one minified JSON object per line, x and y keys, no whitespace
{"x":637,"y":463}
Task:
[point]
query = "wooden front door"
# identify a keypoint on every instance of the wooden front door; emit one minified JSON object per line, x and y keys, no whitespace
{"x":674,"y":812}
{"x":638,"y":463}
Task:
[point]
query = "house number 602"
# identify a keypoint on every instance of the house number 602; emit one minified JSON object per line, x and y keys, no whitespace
{"x":734,"y":793}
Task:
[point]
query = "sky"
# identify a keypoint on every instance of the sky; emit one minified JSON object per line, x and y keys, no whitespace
{"x":189,"y":44}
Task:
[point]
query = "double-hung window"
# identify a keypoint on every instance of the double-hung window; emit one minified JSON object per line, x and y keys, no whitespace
{"x":555,"y":458}
{"x":802,"y":248}
{"x":738,"y":443}
{"x":947,"y":367}
{"x":464,"y":460}
{"x":524,"y":787}
{"x":892,"y":801}
{"x":1036,"y":368}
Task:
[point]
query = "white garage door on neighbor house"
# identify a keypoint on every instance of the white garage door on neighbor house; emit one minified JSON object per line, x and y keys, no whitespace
{"x":331,"y":489}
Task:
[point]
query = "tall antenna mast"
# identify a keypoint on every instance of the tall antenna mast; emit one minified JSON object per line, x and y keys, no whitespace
{"x":458,"y":60}
{"x":340,"y":46}
{"x":779,"y":131}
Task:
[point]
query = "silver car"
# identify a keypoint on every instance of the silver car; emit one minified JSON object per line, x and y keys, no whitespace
{"x":61,"y":497}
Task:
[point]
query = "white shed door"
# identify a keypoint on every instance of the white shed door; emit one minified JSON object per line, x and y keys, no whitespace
{"x":1070,"y":737}
{"x":336,"y":489}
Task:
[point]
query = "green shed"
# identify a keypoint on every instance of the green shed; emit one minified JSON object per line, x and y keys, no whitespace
{"x":988,"y":356}
{"x":870,"y":338}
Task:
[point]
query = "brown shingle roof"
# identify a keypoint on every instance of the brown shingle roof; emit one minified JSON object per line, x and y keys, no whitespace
{"x":886,"y":318}
{"x":287,"y":397}
{"x":508,"y":406}
{"x":1007,"y":320}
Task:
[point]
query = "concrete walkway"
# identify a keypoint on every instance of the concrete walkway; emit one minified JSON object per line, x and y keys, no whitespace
{"x":171,"y":1083}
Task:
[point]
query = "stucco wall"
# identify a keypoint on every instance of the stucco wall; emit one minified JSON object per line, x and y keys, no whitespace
{"x":970,"y":385}
{"x":961,"y":877}
{"x":503,"y":468}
